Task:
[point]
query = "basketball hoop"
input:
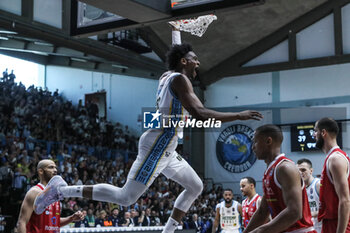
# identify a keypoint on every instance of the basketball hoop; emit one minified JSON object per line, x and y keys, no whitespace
{"x":196,"y":26}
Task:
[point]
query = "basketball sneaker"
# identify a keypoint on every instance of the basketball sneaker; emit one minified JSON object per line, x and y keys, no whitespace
{"x":49,"y":195}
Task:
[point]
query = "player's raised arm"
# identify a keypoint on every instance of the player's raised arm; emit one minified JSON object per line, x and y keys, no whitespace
{"x":182,"y":87}
{"x":175,"y":33}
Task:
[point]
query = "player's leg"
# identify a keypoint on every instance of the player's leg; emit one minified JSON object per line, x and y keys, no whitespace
{"x":181,"y":172}
{"x":142,"y":173}
{"x":57,"y":189}
{"x":124,"y":196}
{"x":147,"y":166}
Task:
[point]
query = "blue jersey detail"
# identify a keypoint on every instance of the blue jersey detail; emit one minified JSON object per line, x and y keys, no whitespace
{"x":147,"y":169}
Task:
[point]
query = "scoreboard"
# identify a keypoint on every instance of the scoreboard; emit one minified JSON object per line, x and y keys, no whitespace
{"x":302,"y":137}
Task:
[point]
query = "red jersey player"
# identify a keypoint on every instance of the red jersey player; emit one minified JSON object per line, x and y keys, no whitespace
{"x":335,"y":180}
{"x":252,"y":202}
{"x":285,"y":196}
{"x":50,"y":221}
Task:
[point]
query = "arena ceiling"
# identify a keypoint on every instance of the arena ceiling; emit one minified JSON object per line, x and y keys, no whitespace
{"x":238,"y":35}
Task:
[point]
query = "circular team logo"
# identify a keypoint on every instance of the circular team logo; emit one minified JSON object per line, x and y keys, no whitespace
{"x":234,"y":148}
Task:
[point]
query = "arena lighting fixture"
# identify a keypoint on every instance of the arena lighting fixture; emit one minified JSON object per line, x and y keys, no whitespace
{"x":78,"y":59}
{"x":40,"y":53}
{"x":3,"y":38}
{"x":42,"y":43}
{"x":120,"y":66}
{"x":7,"y":32}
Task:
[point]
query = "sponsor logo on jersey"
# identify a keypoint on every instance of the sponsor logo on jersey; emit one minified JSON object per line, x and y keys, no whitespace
{"x":54,"y":220}
{"x":52,"y":228}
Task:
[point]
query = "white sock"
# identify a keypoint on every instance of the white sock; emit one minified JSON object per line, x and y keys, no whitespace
{"x":170,"y":225}
{"x":72,"y":191}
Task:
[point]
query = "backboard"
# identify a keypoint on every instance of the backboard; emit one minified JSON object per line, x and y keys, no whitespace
{"x":92,"y":17}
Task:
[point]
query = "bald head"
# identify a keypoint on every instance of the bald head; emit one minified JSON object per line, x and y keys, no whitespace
{"x":46,"y":170}
{"x":44,"y":163}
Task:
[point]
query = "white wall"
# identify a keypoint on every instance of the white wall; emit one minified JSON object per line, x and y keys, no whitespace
{"x":12,"y":6}
{"x":295,"y":86}
{"x":241,"y":90}
{"x":316,"y":82}
{"x":126,"y":95}
{"x":48,"y":12}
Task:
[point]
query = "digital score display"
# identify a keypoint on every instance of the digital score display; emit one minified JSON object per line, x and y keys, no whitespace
{"x":302,"y":137}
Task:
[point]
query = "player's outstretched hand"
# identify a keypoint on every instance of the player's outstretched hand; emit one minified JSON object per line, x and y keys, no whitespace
{"x":77,"y":216}
{"x":250,"y":115}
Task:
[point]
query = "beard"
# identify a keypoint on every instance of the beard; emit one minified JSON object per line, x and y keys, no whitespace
{"x":228,"y":201}
{"x":47,"y":176}
{"x":320,"y":143}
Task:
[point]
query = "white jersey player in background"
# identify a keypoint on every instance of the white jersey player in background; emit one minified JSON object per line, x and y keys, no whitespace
{"x":312,"y":189}
{"x":156,"y":151}
{"x":228,"y":214}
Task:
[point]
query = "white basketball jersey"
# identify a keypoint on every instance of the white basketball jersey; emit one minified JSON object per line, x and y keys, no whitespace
{"x":314,"y":202}
{"x":168,"y":105}
{"x":229,"y":217}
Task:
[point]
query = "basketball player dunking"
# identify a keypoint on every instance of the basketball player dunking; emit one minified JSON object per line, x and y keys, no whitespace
{"x":156,"y":152}
{"x":50,"y":220}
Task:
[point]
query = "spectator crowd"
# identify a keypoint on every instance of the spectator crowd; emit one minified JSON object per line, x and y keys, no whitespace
{"x":38,"y":113}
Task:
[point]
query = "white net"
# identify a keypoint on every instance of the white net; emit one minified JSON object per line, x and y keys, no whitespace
{"x":196,"y":26}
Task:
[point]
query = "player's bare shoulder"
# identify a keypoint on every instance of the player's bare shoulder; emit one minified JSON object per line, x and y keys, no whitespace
{"x":181,"y":80}
{"x":287,"y":164}
{"x":165,"y":74}
{"x":285,"y":169}
{"x":337,"y":160}
{"x":337,"y":155}
{"x":32,"y":193}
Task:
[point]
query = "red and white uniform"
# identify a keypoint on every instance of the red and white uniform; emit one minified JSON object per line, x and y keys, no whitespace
{"x":47,"y":222}
{"x":329,"y":202}
{"x":249,"y":208}
{"x":274,"y":197}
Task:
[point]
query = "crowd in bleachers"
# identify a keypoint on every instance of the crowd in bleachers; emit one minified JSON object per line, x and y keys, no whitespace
{"x":29,"y":117}
{"x":38,"y":113}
